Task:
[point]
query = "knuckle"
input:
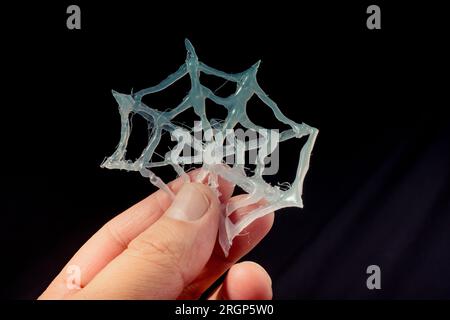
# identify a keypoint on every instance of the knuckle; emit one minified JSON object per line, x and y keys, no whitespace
{"x":159,"y":253}
{"x":151,"y":247}
{"x":115,"y":235}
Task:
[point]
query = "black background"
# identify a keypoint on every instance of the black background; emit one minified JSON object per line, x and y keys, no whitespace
{"x":378,"y":187}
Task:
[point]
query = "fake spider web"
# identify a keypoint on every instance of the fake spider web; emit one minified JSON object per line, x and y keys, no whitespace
{"x":255,"y":186}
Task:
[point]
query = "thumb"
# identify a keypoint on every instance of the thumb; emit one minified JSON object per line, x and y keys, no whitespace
{"x":167,"y":256}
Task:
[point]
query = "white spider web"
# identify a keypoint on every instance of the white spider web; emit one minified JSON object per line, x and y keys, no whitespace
{"x":160,"y":122}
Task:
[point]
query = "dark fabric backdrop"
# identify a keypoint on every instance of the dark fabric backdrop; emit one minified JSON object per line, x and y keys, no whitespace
{"x":378,"y":188}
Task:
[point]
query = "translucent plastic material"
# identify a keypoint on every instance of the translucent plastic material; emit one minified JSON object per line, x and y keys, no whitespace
{"x":267,"y":197}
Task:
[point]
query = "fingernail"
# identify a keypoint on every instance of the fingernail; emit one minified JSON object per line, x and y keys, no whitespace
{"x":190,"y":204}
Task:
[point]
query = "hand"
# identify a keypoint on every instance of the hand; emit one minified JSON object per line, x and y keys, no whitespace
{"x":163,"y":250}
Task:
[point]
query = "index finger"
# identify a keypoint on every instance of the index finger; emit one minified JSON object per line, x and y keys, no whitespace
{"x":116,"y":234}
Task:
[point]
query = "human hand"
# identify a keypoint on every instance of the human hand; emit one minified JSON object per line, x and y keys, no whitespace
{"x":163,"y":250}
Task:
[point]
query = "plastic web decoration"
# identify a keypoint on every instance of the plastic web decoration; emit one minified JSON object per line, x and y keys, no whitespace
{"x":255,"y":186}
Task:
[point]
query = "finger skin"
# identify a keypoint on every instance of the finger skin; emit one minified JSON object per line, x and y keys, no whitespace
{"x":169,"y":254}
{"x":242,"y":244}
{"x":245,"y":281}
{"x":113,"y":238}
